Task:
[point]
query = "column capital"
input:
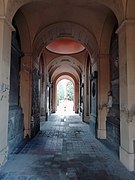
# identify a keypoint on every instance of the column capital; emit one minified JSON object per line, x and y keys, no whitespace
{"x":123,"y":23}
{"x":3,"y":18}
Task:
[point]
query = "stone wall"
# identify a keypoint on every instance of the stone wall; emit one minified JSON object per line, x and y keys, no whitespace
{"x":15,"y":128}
{"x":113,"y":116}
{"x":15,"y":120}
{"x":35,"y":122}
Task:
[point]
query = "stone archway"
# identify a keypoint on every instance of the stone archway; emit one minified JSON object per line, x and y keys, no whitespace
{"x":76,"y":89}
{"x":63,"y":61}
{"x":66,"y":101}
{"x":69,"y":30}
{"x":13,"y":5}
{"x":65,"y":29}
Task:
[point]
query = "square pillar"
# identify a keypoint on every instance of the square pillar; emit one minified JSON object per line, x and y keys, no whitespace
{"x":76,"y":97}
{"x":126,"y":34}
{"x":5,"y":57}
{"x":26,"y":91}
{"x":103,"y":88}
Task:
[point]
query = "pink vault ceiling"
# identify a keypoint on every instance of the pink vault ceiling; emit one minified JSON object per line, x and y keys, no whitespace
{"x":65,"y":46}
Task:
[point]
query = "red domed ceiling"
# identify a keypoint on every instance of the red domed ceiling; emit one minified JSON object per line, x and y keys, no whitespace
{"x":65,"y":46}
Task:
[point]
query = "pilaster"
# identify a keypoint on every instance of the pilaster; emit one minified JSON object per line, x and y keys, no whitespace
{"x":26,"y":91}
{"x":76,"y":97}
{"x":5,"y":57}
{"x":103,"y":88}
{"x":126,"y":33}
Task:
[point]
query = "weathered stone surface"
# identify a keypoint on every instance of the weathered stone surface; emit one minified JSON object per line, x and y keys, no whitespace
{"x":35,"y":122}
{"x":15,"y":120}
{"x":113,"y":116}
{"x":93,"y":99}
{"x":15,"y":128}
{"x":64,"y":151}
{"x":113,"y":132}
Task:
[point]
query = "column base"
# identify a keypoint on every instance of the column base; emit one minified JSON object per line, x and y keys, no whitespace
{"x":42,"y":111}
{"x":127,"y":159}
{"x":101,"y":133}
{"x":92,"y":124}
{"x":87,"y":119}
{"x":27,"y":133}
{"x":3,"y":156}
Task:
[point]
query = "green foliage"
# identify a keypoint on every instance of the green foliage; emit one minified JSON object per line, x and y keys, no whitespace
{"x":65,"y":90}
{"x":60,"y":92}
{"x":69,"y":90}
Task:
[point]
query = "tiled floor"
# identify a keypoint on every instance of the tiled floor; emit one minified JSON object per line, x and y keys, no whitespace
{"x":64,"y":149}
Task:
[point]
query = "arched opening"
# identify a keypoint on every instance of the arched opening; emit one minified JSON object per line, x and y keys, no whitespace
{"x":67,"y":67}
{"x":65,"y":97}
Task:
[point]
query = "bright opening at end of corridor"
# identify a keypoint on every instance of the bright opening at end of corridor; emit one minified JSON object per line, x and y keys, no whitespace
{"x":65,"y":97}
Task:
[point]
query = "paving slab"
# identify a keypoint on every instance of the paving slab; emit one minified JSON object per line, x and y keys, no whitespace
{"x":64,"y":149}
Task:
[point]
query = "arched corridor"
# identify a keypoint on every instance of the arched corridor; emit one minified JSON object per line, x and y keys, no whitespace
{"x":89,"y":42}
{"x":64,"y":150}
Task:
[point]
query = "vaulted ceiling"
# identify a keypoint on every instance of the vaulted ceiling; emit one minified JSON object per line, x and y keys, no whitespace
{"x":73,"y":28}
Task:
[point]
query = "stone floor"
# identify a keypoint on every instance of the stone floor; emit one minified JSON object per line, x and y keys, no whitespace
{"x":64,"y":149}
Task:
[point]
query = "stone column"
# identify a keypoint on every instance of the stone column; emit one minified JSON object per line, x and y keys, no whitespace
{"x":54,"y":91}
{"x":50,"y":97}
{"x":26,"y":91}
{"x":86,"y":97}
{"x":47,"y":96}
{"x":5,"y":57}
{"x":76,"y":97}
{"x":103,"y":88}
{"x":42,"y":99}
{"x":126,"y":33}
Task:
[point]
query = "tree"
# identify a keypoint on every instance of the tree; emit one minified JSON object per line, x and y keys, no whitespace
{"x":69,"y":90}
{"x":60,"y":92}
